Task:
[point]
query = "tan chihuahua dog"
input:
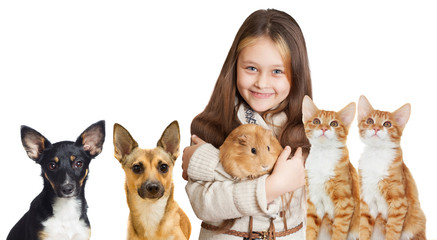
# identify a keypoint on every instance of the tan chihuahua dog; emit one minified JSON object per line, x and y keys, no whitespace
{"x":154,"y":214}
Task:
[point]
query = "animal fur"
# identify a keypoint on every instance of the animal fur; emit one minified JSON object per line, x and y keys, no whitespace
{"x":154,"y":214}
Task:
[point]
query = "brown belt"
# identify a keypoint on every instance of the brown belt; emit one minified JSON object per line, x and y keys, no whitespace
{"x":251,"y":235}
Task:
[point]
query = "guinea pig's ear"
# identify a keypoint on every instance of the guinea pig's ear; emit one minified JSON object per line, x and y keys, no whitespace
{"x":242,"y":140}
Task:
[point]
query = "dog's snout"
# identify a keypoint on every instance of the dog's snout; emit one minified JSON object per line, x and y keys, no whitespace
{"x":67,"y":189}
{"x":151,"y":189}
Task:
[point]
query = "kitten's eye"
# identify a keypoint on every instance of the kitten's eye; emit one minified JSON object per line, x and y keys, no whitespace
{"x":137,"y":168}
{"x":52,"y":166}
{"x":370,"y":121}
{"x":334,"y":124}
{"x":316,"y":121}
{"x":253,"y":150}
{"x":387,"y":124}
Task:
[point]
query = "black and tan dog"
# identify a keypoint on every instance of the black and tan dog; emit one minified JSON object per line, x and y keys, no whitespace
{"x":154,"y":214}
{"x":60,"y":210}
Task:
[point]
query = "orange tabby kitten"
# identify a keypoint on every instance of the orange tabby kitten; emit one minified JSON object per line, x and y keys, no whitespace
{"x":332,"y":182}
{"x":390,"y":207}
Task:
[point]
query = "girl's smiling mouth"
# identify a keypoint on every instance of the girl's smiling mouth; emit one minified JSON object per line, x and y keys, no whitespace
{"x":261,"y":95}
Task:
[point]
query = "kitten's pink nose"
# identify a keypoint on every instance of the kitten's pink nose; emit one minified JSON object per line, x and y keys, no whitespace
{"x":324,"y":129}
{"x":376,"y":130}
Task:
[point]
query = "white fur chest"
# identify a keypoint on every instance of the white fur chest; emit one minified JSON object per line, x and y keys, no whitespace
{"x":152,"y":213}
{"x":65,"y":224}
{"x":373,"y":165}
{"x":320,"y":166}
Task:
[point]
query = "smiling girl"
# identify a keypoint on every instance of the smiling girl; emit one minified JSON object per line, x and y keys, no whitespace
{"x":263,"y":81}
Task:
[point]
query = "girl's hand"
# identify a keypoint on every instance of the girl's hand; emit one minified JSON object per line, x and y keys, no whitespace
{"x":288,"y":174}
{"x":188,"y":152}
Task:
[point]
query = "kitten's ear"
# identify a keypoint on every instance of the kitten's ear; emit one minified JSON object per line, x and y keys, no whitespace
{"x":364,"y":108}
{"x":402,"y":115}
{"x":309,"y":109}
{"x":347,"y":114}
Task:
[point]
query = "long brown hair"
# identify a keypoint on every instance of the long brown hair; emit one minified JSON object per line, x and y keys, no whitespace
{"x":219,"y":117}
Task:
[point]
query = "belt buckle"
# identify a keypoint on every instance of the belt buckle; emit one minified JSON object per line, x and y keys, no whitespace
{"x":264,"y":235}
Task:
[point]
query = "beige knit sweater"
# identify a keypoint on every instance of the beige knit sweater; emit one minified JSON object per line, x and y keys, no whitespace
{"x":214,"y":196}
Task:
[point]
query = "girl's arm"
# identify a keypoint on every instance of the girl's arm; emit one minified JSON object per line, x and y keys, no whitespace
{"x":288,"y":174}
{"x":218,"y":200}
{"x":199,"y":160}
{"x":214,"y":196}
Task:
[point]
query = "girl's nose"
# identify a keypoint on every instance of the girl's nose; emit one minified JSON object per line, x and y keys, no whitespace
{"x":262,"y":81}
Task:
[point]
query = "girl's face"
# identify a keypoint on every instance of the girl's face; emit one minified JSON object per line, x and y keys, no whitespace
{"x":261,"y":78}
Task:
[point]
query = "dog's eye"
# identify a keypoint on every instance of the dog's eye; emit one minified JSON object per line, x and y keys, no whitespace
{"x":52,"y":166}
{"x":163,"y":168}
{"x":253,"y":150}
{"x":78,"y":164}
{"x":137,"y":168}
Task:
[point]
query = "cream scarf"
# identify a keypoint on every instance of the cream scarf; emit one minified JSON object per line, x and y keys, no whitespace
{"x":247,"y":115}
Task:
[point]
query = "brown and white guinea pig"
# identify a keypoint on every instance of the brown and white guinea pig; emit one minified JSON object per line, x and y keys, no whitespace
{"x":249,"y":151}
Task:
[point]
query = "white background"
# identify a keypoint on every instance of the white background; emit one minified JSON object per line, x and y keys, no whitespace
{"x":67,"y":64}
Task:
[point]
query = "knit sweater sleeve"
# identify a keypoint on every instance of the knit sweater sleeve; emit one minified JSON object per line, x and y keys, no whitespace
{"x":203,"y":163}
{"x":225,"y":199}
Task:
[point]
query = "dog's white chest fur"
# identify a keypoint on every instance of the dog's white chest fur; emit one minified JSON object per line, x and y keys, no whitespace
{"x":152,"y":214}
{"x":320,"y":166}
{"x":65,"y":224}
{"x":373,"y":165}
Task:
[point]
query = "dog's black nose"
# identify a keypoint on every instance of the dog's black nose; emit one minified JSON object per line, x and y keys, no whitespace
{"x":67,"y":189}
{"x":152,"y":188}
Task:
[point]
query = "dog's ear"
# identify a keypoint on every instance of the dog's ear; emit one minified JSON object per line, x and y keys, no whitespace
{"x":170,"y":140}
{"x":92,"y":138}
{"x":33,"y":142}
{"x":124,"y":143}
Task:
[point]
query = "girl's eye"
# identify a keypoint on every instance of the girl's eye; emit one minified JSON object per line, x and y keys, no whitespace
{"x":387,"y":124}
{"x":52,"y":166}
{"x":334,"y":124}
{"x":78,"y":164}
{"x":253,"y":69}
{"x":253,"y":150}
{"x":370,"y":121}
{"x":316,"y":121}
{"x":277,"y":71}
{"x":163,"y":168}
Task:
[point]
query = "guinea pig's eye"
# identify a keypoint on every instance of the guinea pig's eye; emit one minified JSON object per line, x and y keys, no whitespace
{"x":387,"y":124}
{"x":370,"y":121}
{"x":316,"y":121}
{"x":253,"y":150}
{"x":268,"y":148}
